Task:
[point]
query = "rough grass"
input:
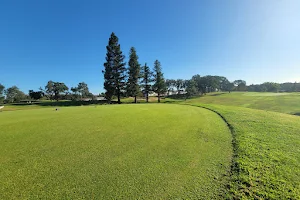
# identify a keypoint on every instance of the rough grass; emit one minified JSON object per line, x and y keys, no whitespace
{"x":278,"y":102}
{"x":267,"y":153}
{"x":114,"y":152}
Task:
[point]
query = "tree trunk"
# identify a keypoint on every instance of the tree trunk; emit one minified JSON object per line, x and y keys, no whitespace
{"x":135,"y":101}
{"x":158,"y":97}
{"x":147,"y":97}
{"x":119,"y":98}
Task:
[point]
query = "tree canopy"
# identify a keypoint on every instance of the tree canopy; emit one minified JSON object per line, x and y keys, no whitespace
{"x":36,"y":95}
{"x":14,"y":94}
{"x":54,"y":90}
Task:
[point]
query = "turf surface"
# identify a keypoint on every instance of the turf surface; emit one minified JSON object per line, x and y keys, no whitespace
{"x":278,"y":102}
{"x":155,"y":151}
{"x":267,"y":153}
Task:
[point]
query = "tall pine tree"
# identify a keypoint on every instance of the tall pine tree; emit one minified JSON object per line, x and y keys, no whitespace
{"x":159,"y":86}
{"x":114,"y":69}
{"x":133,"y":87}
{"x":147,"y":78}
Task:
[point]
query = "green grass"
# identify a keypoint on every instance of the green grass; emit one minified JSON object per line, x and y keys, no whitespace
{"x":278,"y":102}
{"x":18,"y":107}
{"x":155,"y":151}
{"x":266,"y":153}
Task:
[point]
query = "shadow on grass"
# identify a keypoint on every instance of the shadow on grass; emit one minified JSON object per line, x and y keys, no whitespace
{"x":297,"y":113}
{"x":177,"y":96}
{"x":217,"y":94}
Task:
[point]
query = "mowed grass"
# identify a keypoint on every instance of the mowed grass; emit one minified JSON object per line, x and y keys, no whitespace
{"x":19,"y":107}
{"x":278,"y":102}
{"x":266,"y":153}
{"x":155,"y":151}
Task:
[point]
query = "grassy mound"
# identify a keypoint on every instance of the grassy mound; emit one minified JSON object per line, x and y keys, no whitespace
{"x":114,"y":152}
{"x":267,"y":153}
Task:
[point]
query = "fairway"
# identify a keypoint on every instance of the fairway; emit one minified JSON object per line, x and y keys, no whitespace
{"x":278,"y":102}
{"x":156,"y":151}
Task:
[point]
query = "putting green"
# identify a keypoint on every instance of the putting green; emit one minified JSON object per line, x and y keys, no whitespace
{"x":156,"y":151}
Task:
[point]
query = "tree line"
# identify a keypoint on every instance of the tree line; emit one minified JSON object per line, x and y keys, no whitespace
{"x":139,"y":81}
{"x":52,"y":91}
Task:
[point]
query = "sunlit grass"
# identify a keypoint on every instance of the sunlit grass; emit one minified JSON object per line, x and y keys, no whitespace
{"x":267,"y":153}
{"x":114,"y":152}
{"x":278,"y":102}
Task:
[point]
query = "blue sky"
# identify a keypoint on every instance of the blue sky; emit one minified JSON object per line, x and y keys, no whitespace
{"x":59,"y":40}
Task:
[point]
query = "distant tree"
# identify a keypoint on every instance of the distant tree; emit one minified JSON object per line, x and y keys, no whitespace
{"x":59,"y":89}
{"x":294,"y":87}
{"x":83,"y":90}
{"x":134,"y":69}
{"x":230,"y":87}
{"x":179,"y":85}
{"x":240,"y":85}
{"x":191,"y":88}
{"x":225,"y":84}
{"x":114,"y":69}
{"x":170,"y":84}
{"x":75,"y":91}
{"x":147,"y":79}
{"x":270,"y":87}
{"x":1,"y":89}
{"x":212,"y":83}
{"x":159,"y":82}
{"x":290,"y":87}
{"x":49,"y":90}
{"x":1,"y":92}
{"x":54,"y":90}
{"x":35,"y":95}
{"x":102,"y":94}
{"x":185,"y":84}
{"x":200,"y":83}
{"x":14,"y":94}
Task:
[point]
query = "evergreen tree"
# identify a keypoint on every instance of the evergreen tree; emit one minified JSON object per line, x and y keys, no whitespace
{"x":1,"y":92}
{"x":146,"y":75}
{"x":133,"y":87}
{"x":114,"y":69}
{"x":159,"y":86}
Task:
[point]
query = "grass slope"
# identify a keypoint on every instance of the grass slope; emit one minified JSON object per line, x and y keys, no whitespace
{"x":267,"y":153}
{"x":278,"y":102}
{"x":155,"y":151}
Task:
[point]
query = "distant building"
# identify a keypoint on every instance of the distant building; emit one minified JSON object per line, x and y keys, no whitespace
{"x":96,"y":99}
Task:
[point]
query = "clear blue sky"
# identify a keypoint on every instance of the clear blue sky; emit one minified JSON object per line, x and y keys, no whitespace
{"x":254,"y":40}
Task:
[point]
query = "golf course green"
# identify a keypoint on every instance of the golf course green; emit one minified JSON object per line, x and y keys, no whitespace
{"x":144,"y":151}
